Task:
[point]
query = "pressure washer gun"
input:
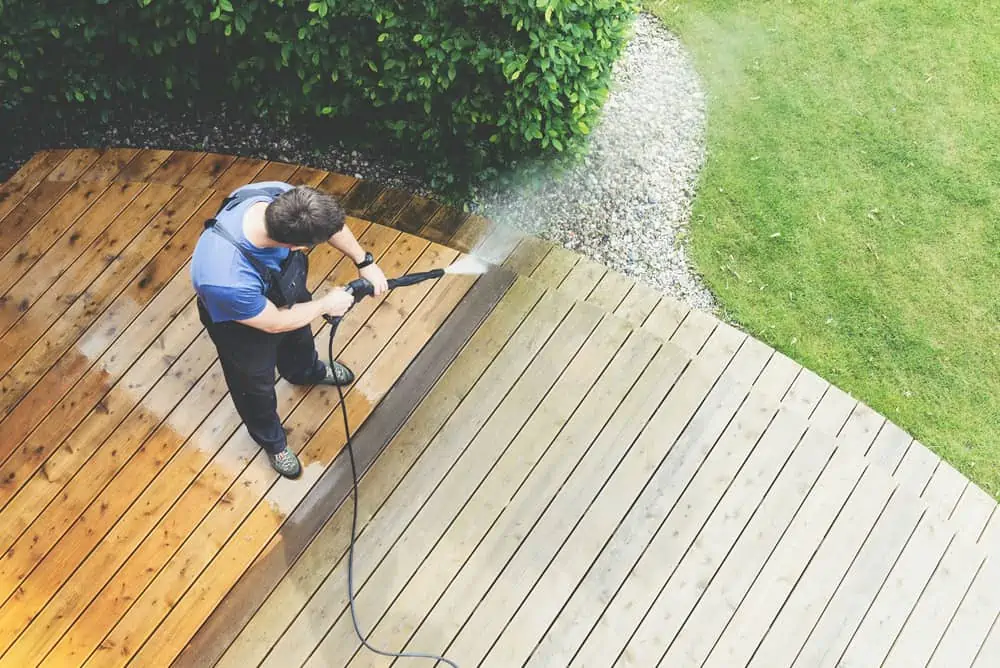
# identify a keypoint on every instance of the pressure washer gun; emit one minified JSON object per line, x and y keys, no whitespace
{"x":362,"y":287}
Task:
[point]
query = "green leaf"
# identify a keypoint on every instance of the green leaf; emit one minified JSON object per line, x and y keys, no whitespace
{"x":226,"y":5}
{"x":418,"y":37}
{"x":382,"y":37}
{"x":78,"y":95}
{"x":192,"y":36}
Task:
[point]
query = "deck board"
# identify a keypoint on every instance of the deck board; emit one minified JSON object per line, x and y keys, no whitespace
{"x":574,"y":471}
{"x":888,"y":612}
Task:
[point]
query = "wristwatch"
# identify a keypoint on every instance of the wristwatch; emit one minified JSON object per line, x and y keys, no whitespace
{"x":369,"y":259}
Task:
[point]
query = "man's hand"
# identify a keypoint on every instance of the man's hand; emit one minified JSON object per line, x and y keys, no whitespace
{"x":336,"y":302}
{"x":373,"y":274}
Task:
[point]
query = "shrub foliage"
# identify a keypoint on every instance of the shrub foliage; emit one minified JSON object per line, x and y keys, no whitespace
{"x":490,"y":81}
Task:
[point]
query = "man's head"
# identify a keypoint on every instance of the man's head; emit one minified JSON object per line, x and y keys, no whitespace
{"x":303,"y":216}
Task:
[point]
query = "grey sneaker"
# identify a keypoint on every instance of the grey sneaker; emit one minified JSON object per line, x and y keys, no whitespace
{"x":286,"y":463}
{"x":338,"y":375}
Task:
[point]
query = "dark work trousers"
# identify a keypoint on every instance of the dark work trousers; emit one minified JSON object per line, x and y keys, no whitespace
{"x":249,"y":357}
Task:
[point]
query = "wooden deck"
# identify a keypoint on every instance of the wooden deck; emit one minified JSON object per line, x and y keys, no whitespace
{"x":562,"y":467}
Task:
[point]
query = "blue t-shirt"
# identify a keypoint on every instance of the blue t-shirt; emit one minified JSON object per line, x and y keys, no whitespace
{"x":229,"y":286}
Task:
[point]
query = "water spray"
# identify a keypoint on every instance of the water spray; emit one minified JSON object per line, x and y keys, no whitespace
{"x":361,"y":288}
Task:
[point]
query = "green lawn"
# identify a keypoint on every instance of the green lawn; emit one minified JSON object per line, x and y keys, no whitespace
{"x":848,"y":213}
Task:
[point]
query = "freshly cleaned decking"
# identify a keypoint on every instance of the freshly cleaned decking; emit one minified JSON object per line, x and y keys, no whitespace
{"x":563,"y":468}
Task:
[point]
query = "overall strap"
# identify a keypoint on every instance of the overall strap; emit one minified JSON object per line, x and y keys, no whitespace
{"x":262,"y":269}
{"x":233,"y":200}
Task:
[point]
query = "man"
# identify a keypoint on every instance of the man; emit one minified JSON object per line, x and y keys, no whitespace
{"x":248,"y":271}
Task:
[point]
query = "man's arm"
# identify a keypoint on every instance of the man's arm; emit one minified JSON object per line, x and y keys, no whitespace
{"x":274,"y":320}
{"x":345,"y":242}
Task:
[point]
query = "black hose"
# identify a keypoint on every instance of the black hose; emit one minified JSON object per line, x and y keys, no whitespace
{"x":354,"y":521}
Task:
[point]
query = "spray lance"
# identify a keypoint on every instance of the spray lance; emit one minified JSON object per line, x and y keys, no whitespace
{"x":361,"y":288}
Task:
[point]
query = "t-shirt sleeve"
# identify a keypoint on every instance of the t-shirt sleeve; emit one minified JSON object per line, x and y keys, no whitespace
{"x":226,"y":302}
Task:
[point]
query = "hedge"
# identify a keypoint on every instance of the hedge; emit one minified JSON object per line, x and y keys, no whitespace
{"x":483,"y":81}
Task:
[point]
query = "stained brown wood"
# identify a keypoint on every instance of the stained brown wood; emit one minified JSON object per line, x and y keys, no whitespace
{"x":337,"y":184}
{"x":42,"y":334}
{"x":210,"y":168}
{"x":471,"y":234}
{"x":105,"y":251}
{"x":276,"y":171}
{"x":109,"y":165}
{"x":143,"y":165}
{"x":42,"y":223}
{"x":77,"y":161}
{"x":30,"y":175}
{"x":307,"y":176}
{"x":190,"y":502}
{"x":20,"y":220}
{"x":53,"y":265}
{"x":445,"y":223}
{"x":176,"y":167}
{"x":388,"y":207}
{"x":241,"y":172}
{"x":362,"y":195}
{"x":104,"y":353}
{"x":37,"y":167}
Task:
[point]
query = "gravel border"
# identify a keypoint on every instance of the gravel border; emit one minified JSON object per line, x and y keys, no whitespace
{"x":626,"y":206}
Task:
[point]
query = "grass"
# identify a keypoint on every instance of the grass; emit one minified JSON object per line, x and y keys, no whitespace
{"x":848,"y":213}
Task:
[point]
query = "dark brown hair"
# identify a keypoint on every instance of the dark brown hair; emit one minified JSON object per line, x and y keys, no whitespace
{"x":303,"y":216}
